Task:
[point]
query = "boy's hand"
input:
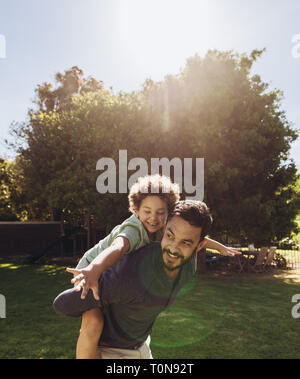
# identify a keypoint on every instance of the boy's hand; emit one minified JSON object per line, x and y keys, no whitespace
{"x":230,"y":251}
{"x":87,"y":280}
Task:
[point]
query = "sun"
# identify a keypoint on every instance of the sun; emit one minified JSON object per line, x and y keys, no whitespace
{"x":156,"y":37}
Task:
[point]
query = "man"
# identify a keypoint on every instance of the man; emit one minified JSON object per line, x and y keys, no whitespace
{"x":135,"y":290}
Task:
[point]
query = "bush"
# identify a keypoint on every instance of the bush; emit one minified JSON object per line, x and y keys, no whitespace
{"x":280,"y":261}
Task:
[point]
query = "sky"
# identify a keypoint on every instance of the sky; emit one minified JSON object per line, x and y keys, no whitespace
{"x":124,"y":42}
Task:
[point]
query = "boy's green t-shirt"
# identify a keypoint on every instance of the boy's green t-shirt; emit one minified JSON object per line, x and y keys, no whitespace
{"x":132,"y":228}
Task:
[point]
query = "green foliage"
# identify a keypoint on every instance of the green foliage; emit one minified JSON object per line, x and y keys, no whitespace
{"x":280,"y":261}
{"x":295,"y":235}
{"x":216,"y":110}
{"x":70,"y":83}
{"x":11,"y":199}
{"x":213,"y":109}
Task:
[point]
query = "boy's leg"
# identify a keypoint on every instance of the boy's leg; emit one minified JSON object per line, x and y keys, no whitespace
{"x":69,"y":303}
{"x":90,"y":332}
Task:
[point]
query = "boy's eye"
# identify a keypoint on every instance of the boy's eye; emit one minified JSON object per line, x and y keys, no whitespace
{"x":158,"y":214}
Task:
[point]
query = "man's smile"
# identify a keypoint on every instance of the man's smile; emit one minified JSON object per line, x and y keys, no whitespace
{"x":172,"y":256}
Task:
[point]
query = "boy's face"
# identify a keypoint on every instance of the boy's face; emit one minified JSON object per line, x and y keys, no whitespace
{"x":153,"y":213}
{"x":180,"y":241}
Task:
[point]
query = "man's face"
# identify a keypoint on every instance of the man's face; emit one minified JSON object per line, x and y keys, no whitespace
{"x":179,"y":242}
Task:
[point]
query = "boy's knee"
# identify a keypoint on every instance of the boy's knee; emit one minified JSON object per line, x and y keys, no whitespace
{"x":93,"y":318}
{"x":64,"y":305}
{"x":69,"y":303}
{"x":59,"y":304}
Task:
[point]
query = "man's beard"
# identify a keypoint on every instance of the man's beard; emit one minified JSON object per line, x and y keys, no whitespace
{"x":183,"y":260}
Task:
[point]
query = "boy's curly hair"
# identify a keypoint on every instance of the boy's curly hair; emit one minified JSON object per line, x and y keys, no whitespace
{"x":153,"y":185}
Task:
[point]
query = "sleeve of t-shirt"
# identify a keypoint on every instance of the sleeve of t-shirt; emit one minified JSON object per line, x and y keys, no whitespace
{"x":130,"y":232}
{"x":133,"y":235}
{"x":89,"y":256}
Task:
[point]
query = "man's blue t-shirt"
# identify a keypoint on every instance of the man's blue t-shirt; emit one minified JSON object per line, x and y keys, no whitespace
{"x":133,"y":292}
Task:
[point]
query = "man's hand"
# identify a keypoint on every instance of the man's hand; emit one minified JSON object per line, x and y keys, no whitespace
{"x":87,"y":279}
{"x":230,"y":251}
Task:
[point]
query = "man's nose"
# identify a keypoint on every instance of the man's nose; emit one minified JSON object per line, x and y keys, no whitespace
{"x":173,"y":247}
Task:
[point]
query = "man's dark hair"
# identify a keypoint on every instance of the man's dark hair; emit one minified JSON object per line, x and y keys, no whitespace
{"x":195,"y":213}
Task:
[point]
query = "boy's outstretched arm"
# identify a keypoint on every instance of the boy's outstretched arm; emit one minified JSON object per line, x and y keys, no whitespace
{"x":222,"y":249}
{"x":88,"y":277}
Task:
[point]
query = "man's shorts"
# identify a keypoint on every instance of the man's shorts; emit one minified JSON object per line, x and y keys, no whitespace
{"x":143,"y":352}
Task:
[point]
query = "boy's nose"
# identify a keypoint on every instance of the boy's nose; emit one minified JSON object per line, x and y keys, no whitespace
{"x":153,"y":219}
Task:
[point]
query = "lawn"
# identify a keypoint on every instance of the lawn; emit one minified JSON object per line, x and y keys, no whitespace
{"x":220,"y":316}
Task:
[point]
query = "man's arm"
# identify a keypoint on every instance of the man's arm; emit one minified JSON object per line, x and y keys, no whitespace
{"x":88,"y":277}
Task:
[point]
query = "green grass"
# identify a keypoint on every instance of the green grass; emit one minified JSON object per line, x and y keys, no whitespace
{"x":31,"y":328}
{"x":231,"y":316}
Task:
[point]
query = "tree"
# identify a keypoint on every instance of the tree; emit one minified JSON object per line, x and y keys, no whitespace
{"x":42,"y":142}
{"x":11,"y":197}
{"x":213,"y":109}
{"x":295,"y":236}
{"x":59,"y":151}
{"x":60,"y":98}
{"x":216,"y":110}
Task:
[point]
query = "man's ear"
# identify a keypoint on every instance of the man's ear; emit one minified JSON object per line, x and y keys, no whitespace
{"x":201,"y":245}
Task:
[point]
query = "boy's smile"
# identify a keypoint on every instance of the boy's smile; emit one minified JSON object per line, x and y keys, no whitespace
{"x":152,"y":213}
